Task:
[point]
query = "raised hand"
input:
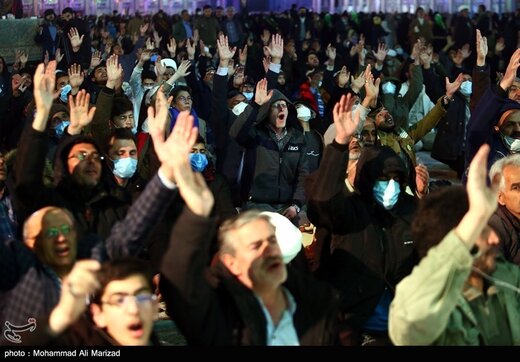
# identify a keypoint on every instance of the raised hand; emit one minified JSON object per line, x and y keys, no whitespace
{"x":482,"y":199}
{"x":172,"y":47}
{"x":95,"y":60}
{"x":372,"y":88}
{"x":265,"y":62}
{"x":145,"y":56}
{"x":75,"y":39}
{"x":192,"y":186}
{"x":196,"y":36}
{"x":157,"y":119}
{"x":343,"y":77}
{"x":190,"y":49}
{"x":182,"y":70}
{"x":261,"y":95}
{"x":114,"y":71}
{"x":23,"y":58}
{"x":482,"y":49}
{"x":80,"y":116}
{"x":58,"y":56}
{"x":143,"y":29}
{"x":77,"y":286}
{"x":156,"y":38}
{"x":422,"y":179}
{"x":275,"y":49}
{"x":381,"y":53}
{"x":512,"y":67}
{"x":357,"y":83}
{"x":345,"y":125}
{"x":149,"y":44}
{"x":451,"y":88}
{"x":225,"y":53}
{"x":76,"y":76}
{"x":44,"y":84}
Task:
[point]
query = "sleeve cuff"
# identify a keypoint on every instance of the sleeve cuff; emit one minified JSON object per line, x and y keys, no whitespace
{"x":165,"y":181}
{"x":275,"y":68}
{"x":222,"y":71}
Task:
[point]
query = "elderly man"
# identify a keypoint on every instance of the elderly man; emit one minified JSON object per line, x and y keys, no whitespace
{"x":506,"y":219}
{"x":249,"y":296}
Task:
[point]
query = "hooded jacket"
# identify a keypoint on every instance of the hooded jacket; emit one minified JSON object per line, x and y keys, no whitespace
{"x":279,"y":172}
{"x":95,"y":210}
{"x":371,"y":248}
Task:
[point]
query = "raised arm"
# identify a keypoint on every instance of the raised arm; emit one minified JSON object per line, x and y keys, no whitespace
{"x":424,"y":300}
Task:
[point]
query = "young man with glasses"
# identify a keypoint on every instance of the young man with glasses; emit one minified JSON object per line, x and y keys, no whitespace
{"x":121,"y":311}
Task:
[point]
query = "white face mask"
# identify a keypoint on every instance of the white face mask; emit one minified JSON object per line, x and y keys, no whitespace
{"x":466,"y":88}
{"x":303,"y":113}
{"x":389,"y":88}
{"x":239,"y":108}
{"x":387,"y":193}
{"x":147,"y":87}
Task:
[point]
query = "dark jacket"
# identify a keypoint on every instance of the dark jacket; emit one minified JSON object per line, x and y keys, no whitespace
{"x":481,"y":125}
{"x":211,"y":307}
{"x":279,"y":173}
{"x":507,"y":226}
{"x":371,"y":248}
{"x":95,"y":210}
{"x":29,"y":288}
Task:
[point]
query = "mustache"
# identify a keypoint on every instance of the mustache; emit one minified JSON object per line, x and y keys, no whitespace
{"x":272,"y":260}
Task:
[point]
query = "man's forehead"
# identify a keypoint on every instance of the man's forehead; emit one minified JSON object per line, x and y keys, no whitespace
{"x":82,"y":147}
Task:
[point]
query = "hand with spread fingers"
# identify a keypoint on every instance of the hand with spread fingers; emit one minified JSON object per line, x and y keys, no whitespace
{"x":80,"y":115}
{"x":77,"y":286}
{"x":44,"y":93}
{"x":346,"y":123}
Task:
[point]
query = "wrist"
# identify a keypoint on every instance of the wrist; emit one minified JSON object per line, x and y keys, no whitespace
{"x":341,"y":140}
{"x":276,"y":60}
{"x":111,"y":84}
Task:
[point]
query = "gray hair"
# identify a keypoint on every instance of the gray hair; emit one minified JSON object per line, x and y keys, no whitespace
{"x":225,"y":234}
{"x":499,"y":166}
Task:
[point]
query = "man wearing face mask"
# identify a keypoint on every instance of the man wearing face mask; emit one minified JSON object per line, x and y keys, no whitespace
{"x":121,"y":150}
{"x":495,"y":120}
{"x":450,"y":140}
{"x":313,"y":139}
{"x":371,"y":247}
{"x":226,"y":106}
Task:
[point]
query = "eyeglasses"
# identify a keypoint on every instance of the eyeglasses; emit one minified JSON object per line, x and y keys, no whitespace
{"x":184,"y":99}
{"x":124,"y":117}
{"x":55,"y":231}
{"x":513,"y":88}
{"x":83,"y":155}
{"x":123,"y":301}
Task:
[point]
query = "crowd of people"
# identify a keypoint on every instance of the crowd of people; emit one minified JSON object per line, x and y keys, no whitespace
{"x":172,"y":162}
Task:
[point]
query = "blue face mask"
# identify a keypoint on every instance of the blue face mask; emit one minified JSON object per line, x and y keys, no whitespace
{"x":248,"y":95}
{"x":465,"y":88}
{"x":60,"y":128}
{"x":389,"y":88}
{"x":64,"y":93}
{"x":386,"y":193}
{"x":198,"y":161}
{"x":125,"y":167}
